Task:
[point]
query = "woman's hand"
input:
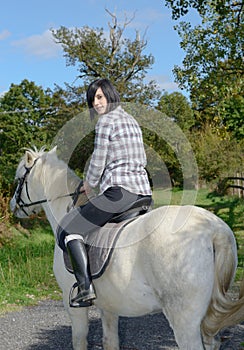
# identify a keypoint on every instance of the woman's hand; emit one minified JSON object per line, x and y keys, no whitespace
{"x":86,"y":188}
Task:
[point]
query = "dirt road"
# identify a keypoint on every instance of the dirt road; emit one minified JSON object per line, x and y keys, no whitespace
{"x":47,"y":327}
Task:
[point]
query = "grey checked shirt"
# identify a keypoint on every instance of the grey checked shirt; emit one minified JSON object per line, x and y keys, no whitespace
{"x":119,"y":157}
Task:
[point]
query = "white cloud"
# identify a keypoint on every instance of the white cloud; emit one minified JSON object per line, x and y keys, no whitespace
{"x":4,"y":34}
{"x":42,"y":45}
{"x":2,"y":93}
{"x":164,"y":82}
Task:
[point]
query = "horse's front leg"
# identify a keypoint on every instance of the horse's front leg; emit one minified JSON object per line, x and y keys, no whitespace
{"x":110,"y":324}
{"x":79,"y":316}
{"x":79,"y":321}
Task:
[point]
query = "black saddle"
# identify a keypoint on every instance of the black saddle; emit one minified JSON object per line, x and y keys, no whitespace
{"x":139,"y":207}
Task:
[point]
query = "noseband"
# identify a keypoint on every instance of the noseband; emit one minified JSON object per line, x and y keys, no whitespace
{"x":21,"y":205}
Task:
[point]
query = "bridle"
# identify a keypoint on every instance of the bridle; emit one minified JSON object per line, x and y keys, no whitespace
{"x":22,"y":182}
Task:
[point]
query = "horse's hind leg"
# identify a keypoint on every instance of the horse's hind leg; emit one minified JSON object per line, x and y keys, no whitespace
{"x":186,"y":327}
{"x":189,"y":338}
{"x":110,"y":324}
{"x":211,"y":343}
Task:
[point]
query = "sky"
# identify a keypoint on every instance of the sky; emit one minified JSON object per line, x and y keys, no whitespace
{"x":28,"y":50}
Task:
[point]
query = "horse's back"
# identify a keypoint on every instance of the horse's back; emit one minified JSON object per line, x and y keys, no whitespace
{"x":175,"y":223}
{"x":158,"y":259}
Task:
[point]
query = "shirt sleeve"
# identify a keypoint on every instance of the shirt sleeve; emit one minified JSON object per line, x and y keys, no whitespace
{"x":99,"y":155}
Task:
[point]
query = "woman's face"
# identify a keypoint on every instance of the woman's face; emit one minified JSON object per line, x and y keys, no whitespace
{"x":100,"y":102}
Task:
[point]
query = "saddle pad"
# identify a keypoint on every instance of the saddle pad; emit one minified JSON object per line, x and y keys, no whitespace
{"x":100,"y":245}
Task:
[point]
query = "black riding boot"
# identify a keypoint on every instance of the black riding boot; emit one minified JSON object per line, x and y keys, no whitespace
{"x":78,"y":256}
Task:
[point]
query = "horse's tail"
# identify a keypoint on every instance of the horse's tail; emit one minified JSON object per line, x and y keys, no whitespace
{"x":223,"y":311}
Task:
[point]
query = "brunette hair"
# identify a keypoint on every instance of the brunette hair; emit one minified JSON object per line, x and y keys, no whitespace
{"x":109,"y":91}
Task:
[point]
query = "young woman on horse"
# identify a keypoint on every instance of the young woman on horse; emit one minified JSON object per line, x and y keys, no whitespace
{"x":117,"y":165}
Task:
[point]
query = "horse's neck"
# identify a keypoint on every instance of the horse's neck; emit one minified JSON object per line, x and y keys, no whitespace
{"x":57,"y":194}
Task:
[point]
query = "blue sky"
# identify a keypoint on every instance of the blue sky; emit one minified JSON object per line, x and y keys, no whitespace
{"x":27,"y":49}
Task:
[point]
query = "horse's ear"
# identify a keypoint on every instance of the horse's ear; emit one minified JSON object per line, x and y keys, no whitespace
{"x":29,"y":159}
{"x":53,"y":150}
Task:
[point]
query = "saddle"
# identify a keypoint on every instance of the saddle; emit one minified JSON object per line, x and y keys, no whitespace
{"x":101,"y":242}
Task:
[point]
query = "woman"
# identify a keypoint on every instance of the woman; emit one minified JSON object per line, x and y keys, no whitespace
{"x":117,"y":165}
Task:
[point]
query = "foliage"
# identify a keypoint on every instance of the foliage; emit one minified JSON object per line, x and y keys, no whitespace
{"x":112,"y":56}
{"x":24,"y":113}
{"x":233,"y":115}
{"x":213,"y":65}
{"x":176,"y":107}
{"x":181,"y":8}
{"x":217,"y":157}
{"x":75,"y":141}
{"x":64,"y":108}
{"x":30,"y":116}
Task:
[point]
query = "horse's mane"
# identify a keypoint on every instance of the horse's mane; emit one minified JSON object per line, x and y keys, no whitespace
{"x":34,"y":151}
{"x":61,"y":169}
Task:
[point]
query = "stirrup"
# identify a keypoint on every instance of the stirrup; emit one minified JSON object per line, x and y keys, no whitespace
{"x":78,"y":301}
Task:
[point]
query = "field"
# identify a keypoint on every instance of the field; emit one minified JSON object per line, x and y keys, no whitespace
{"x":26,"y":256}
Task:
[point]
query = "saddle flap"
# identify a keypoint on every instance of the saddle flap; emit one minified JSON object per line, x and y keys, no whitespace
{"x":100,"y":245}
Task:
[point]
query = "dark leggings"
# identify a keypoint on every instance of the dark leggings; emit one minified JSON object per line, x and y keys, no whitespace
{"x":95,"y":213}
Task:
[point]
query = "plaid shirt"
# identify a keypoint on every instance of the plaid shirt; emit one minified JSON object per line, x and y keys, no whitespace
{"x":119,"y":157}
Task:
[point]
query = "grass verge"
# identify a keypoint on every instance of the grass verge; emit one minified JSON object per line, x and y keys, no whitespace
{"x":26,"y":268}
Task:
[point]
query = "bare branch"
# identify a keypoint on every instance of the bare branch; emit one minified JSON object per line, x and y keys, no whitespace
{"x":117,"y":31}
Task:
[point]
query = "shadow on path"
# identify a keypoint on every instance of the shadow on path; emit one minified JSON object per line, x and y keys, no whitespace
{"x":149,"y":332}
{"x":47,"y":327}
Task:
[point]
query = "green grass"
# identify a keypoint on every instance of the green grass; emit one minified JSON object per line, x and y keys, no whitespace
{"x":26,"y":257}
{"x":26,"y":268}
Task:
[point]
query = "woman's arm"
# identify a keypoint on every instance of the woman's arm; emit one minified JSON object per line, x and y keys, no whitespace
{"x":99,"y":155}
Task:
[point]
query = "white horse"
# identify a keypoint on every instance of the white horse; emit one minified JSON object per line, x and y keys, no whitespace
{"x":177,"y":259}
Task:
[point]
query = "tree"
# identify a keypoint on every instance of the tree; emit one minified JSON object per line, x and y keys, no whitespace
{"x":114,"y":57}
{"x":176,"y":107}
{"x":217,"y":157}
{"x":213,"y":66}
{"x":97,"y":54}
{"x":24,"y":110}
{"x":233,"y":114}
{"x":181,"y":8}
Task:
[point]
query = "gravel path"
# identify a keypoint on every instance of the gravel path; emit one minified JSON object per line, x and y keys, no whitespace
{"x":47,"y":327}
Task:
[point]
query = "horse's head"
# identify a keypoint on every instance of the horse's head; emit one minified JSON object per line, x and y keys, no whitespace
{"x":26,"y":199}
{"x":42,"y":179}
